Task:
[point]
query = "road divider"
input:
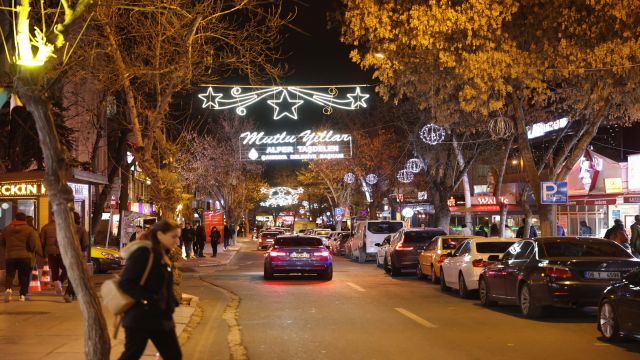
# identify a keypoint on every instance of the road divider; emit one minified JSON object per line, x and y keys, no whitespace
{"x":416,"y":318}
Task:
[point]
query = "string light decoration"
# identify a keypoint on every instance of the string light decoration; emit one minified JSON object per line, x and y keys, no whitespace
{"x":414,"y":165}
{"x":349,"y":178}
{"x":284,"y":99}
{"x":281,"y":196}
{"x":371,"y":179}
{"x":432,"y":134}
{"x":405,"y":176}
{"x":500,"y":127}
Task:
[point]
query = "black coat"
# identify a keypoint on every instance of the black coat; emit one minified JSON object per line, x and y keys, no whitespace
{"x":155,"y":300}
{"x":188,"y":235}
{"x":201,"y":236}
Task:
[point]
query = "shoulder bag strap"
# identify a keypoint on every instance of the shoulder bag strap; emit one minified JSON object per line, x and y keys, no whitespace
{"x":146,"y":271}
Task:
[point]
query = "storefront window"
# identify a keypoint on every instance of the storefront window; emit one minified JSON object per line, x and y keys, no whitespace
{"x":584,"y":220}
{"x":6,"y":214}
{"x":27,"y":206}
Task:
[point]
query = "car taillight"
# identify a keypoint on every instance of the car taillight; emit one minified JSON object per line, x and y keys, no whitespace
{"x":557,"y":272}
{"x":401,"y":246}
{"x":277,"y":253}
{"x":480,"y":263}
{"x":321,"y":253}
{"x":442,"y":258}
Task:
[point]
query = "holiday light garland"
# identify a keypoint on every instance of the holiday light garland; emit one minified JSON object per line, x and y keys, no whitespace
{"x":371,"y":179}
{"x":281,"y":196}
{"x":414,"y":165}
{"x":432,"y":134}
{"x":349,"y":178}
{"x":405,"y":176}
{"x":284,"y":99}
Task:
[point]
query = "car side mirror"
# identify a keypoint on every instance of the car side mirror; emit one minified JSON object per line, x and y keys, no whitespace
{"x":377,"y":244}
{"x":494,"y":258}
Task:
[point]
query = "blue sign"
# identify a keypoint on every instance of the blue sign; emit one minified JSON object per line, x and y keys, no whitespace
{"x":554,"y":192}
{"x":338,"y":211}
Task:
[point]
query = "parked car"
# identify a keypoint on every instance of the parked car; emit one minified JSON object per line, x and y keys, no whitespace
{"x":462,"y":268}
{"x":322,"y":234}
{"x":435,"y":253}
{"x":266,"y":239}
{"x":557,"y":271}
{"x":105,"y":259}
{"x":367,"y":234}
{"x":296,"y":254}
{"x":382,"y":251}
{"x":619,"y":309}
{"x":337,"y":239}
{"x":405,"y":246}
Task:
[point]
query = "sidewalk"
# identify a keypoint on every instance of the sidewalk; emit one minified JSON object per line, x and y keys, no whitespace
{"x":48,"y":328}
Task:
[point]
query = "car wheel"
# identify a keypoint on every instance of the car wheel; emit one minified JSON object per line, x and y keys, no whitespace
{"x":607,"y":322}
{"x":528,"y":306}
{"x":395,"y":271}
{"x":434,"y":278}
{"x":462,"y":287}
{"x":483,"y":291}
{"x":443,"y":284}
{"x":327,"y":275}
{"x":268,"y":273}
{"x":419,"y":272}
{"x":362,"y":256}
{"x":96,"y":266}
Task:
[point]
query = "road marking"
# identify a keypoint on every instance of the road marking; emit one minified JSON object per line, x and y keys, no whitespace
{"x":601,"y":344}
{"x":415,"y":318}
{"x":356,"y":286}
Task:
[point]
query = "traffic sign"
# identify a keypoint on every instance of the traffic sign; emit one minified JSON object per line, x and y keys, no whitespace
{"x":338,"y":217}
{"x":554,"y":192}
{"x":338,"y":211}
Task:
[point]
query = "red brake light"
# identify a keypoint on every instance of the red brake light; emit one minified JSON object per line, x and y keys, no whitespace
{"x":401,"y":246}
{"x":277,"y":253}
{"x":480,"y":263}
{"x":557,"y":272}
{"x":321,"y":253}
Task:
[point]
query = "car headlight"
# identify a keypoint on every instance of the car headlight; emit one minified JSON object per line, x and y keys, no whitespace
{"x":108,"y":255}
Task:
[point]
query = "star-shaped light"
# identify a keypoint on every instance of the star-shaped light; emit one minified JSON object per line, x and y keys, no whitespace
{"x":357,"y":99}
{"x":291,"y":106}
{"x":210,"y":99}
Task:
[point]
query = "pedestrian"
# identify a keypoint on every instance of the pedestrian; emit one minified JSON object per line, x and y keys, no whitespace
{"x":151,"y":316}
{"x":215,"y":240}
{"x":635,"y":236}
{"x":617,"y":223}
{"x":617,"y":233}
{"x":494,"y":230}
{"x":20,"y":242}
{"x":188,"y":236}
{"x":465,"y":230}
{"x":83,"y":240}
{"x":201,"y":239}
{"x":532,"y":231}
{"x":226,"y":235}
{"x":482,"y":231}
{"x":51,"y":249}
{"x":560,"y":230}
{"x":137,"y":233}
{"x":196,"y":244}
{"x":585,"y":230}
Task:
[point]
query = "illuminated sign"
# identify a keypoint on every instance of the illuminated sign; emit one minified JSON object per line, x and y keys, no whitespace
{"x":613,"y":185}
{"x":488,"y":200}
{"x":281,"y":196}
{"x":633,"y":172}
{"x":540,"y":129}
{"x":22,"y":189}
{"x":308,"y":145}
{"x":285,"y":100}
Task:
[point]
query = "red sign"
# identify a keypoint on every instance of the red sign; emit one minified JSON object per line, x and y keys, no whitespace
{"x":211,"y":219}
{"x":600,"y":202}
{"x":632,"y":199}
{"x":489,"y":200}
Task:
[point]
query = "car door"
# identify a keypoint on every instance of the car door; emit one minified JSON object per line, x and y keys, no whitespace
{"x":425,"y":257}
{"x":629,"y":303}
{"x":452,"y":265}
{"x":520,"y":253}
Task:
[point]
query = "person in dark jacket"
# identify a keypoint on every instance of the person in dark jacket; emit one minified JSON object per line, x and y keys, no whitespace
{"x":20,"y":241}
{"x":215,"y":240}
{"x":585,"y":230}
{"x":532,"y":231}
{"x":151,"y":317}
{"x":226,"y":236}
{"x":187,"y":236}
{"x":49,"y":240}
{"x":201,"y":238}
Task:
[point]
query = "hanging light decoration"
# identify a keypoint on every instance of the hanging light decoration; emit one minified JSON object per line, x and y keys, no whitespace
{"x":414,"y":165}
{"x":432,"y":134}
{"x":405,"y":176}
{"x":371,"y":179}
{"x":349,"y":178}
{"x":500,"y":127}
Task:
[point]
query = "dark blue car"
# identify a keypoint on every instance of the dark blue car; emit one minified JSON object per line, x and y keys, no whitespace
{"x":298,"y":254}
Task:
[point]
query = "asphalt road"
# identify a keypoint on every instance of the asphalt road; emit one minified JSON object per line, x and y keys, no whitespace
{"x":365,"y":314}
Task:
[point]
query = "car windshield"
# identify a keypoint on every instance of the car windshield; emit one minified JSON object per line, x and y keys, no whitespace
{"x":493,"y":247}
{"x":270,"y":235}
{"x":582,"y":248}
{"x":384,"y":227}
{"x":452,"y":243}
{"x":420,"y":236}
{"x":295,"y":241}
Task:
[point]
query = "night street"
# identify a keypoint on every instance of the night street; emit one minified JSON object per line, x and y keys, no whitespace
{"x":364,"y":314}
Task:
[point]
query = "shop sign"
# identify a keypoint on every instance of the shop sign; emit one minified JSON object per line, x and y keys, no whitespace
{"x":79,"y":190}
{"x":632,"y":199}
{"x":307,"y":145}
{"x":600,"y":202}
{"x":422,"y":195}
{"x":613,"y":186}
{"x":489,"y":200}
{"x":22,"y":189}
{"x":633,"y":172}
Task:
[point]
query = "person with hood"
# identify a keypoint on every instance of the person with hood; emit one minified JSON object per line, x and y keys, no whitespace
{"x":151,"y":317}
{"x":20,"y":242}
{"x":215,"y":240}
{"x":49,"y":240}
{"x":83,"y":239}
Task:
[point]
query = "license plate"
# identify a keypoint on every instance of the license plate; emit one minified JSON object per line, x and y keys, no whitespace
{"x":299,"y":255}
{"x":602,"y":275}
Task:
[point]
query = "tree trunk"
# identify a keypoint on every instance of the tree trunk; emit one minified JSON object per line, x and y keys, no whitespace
{"x":465,"y":183}
{"x":528,"y":214}
{"x":442,"y":214}
{"x":547,"y":220}
{"x":498,"y":190}
{"x":96,"y":335}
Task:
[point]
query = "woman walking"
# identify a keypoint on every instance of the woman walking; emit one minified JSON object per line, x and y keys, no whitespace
{"x":151,"y":318}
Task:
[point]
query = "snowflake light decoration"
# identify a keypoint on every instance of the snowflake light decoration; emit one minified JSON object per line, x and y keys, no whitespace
{"x":432,"y":134}
{"x":414,"y":165}
{"x":349,"y":178}
{"x":281,"y":196}
{"x":500,"y":127}
{"x":405,"y":176}
{"x":371,"y":179}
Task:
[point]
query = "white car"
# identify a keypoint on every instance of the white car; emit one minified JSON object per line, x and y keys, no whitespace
{"x":368,"y":233}
{"x":382,"y":251}
{"x":461,"y":270}
{"x":323,"y":234}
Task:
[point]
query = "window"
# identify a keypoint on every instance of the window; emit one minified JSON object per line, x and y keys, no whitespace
{"x":575,"y":248}
{"x":463,"y":249}
{"x":292,"y":241}
{"x":384,"y":227}
{"x":420,"y":236}
{"x":451,"y":243}
{"x":526,"y":250}
{"x":493,"y":247}
{"x":633,"y":278}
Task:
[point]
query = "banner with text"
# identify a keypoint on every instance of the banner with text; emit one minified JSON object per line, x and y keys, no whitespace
{"x":307,"y":145}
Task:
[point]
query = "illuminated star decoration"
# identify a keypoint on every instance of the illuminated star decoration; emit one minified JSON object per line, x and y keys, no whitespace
{"x":288,"y":104}
{"x":210,"y":99}
{"x":281,"y":196}
{"x":329,"y":98}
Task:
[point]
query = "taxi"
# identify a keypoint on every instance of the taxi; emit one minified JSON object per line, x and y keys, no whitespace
{"x":431,"y":259}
